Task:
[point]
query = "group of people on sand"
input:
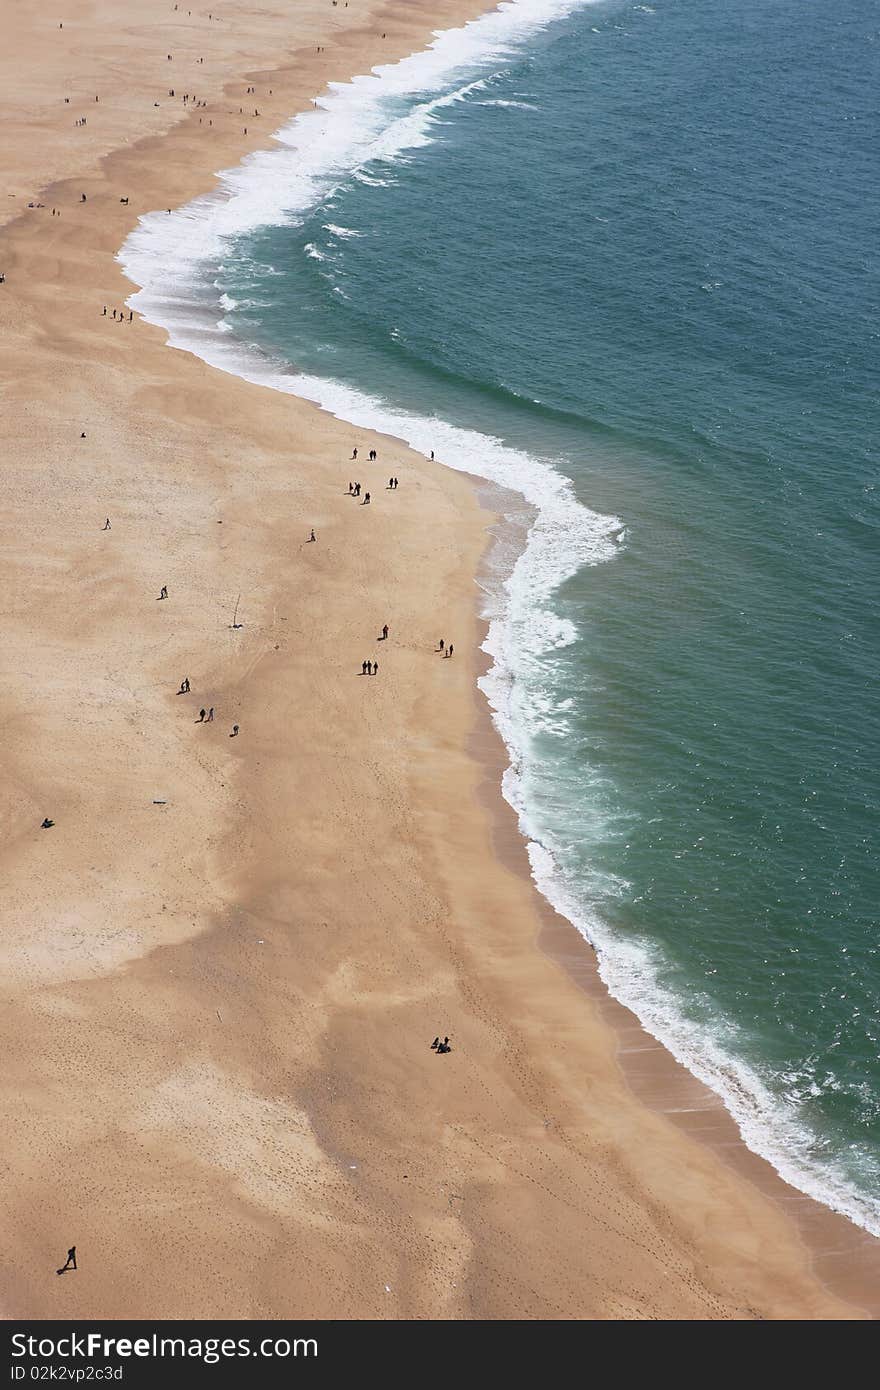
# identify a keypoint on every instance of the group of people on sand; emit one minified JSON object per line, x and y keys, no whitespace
{"x":438,"y":1046}
{"x":354,"y":490}
{"x":206,"y":716}
{"x":119,"y":315}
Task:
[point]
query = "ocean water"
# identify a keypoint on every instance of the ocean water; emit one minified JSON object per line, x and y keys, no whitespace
{"x":624,"y":260}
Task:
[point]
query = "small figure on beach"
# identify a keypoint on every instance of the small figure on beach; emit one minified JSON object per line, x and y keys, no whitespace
{"x":375,"y":668}
{"x":83,"y":435}
{"x":70,"y":1262}
{"x":369,"y":668}
{"x":164,"y":593}
{"x":384,"y":632}
{"x":234,"y":733}
{"x":104,"y":315}
{"x":435,"y":1043}
{"x":46,"y":823}
{"x":450,"y":649}
{"x":357,"y":489}
{"x":363,"y":668}
{"x":445,"y":1046}
{"x":201,"y":718}
{"x":373,"y":456}
{"x":441,"y":645}
{"x":184,"y":686}
{"x":432,"y":455}
{"x":312,"y":536}
{"x":210,"y":719}
{"x":107,"y":526}
{"x":350,"y":489}
{"x":354,"y":453}
{"x":366,"y":501}
{"x":395,"y":484}
{"x":390,"y":484}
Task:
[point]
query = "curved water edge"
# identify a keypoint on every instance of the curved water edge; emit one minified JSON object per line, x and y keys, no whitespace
{"x":368,"y":123}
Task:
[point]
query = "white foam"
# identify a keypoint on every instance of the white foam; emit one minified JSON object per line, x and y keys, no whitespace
{"x":518,"y":105}
{"x":354,"y":124}
{"x":344,"y":232}
{"x":375,"y":120}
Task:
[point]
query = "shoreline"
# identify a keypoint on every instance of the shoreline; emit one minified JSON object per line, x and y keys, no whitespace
{"x":341,"y":998}
{"x":246,"y":360}
{"x":844,"y":1256}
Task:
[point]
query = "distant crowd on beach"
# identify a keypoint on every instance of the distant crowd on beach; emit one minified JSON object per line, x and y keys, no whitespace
{"x":207,"y":714}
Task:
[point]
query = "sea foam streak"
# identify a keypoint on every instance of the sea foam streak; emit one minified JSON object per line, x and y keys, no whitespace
{"x":373,"y":122}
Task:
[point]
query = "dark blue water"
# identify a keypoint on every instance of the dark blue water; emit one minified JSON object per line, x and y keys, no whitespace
{"x":645,"y":248}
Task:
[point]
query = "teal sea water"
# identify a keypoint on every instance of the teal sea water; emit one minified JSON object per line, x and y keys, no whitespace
{"x":624,"y":259}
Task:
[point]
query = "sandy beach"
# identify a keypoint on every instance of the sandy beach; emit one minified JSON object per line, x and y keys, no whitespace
{"x":223,"y":965}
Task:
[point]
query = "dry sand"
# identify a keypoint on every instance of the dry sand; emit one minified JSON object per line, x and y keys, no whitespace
{"x":217,"y":1010}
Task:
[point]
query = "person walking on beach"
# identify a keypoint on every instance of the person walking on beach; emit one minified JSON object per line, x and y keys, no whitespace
{"x":210,"y":719}
{"x":201,"y":718}
{"x":164,"y":593}
{"x":390,"y":484}
{"x":450,"y":649}
{"x":385,"y":632}
{"x":441,"y":645}
{"x":106,"y":526}
{"x":354,"y":453}
{"x":366,"y":501}
{"x":234,"y":733}
{"x":350,"y":489}
{"x":432,"y":455}
{"x":357,"y":489}
{"x":363,"y":668}
{"x":375,"y":668}
{"x":70,"y":1262}
{"x":312,"y":536}
{"x":369,"y":668}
